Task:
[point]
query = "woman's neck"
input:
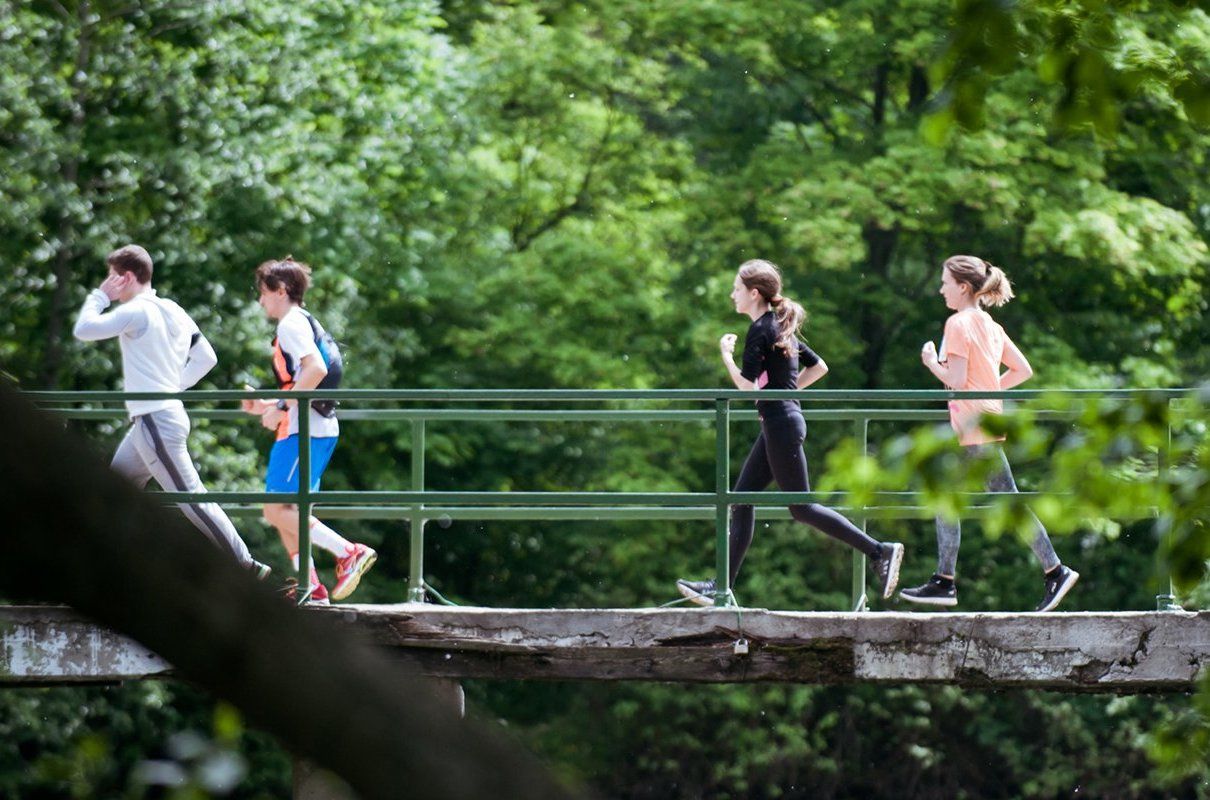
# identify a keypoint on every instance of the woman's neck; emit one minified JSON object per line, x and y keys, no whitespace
{"x":758,"y":311}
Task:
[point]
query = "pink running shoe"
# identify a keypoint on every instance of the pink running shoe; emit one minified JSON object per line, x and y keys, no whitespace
{"x":356,"y":562}
{"x":319,"y":592}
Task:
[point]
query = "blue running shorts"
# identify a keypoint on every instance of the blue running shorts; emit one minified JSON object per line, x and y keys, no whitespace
{"x":282,"y":475}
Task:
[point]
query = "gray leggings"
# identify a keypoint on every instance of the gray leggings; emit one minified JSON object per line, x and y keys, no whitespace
{"x":155,"y":446}
{"x":949,"y":534}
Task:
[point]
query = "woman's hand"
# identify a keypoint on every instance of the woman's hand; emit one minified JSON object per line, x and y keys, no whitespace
{"x":928,"y":354}
{"x":726,"y":345}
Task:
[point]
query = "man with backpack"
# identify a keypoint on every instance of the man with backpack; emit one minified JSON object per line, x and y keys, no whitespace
{"x":305,"y":357}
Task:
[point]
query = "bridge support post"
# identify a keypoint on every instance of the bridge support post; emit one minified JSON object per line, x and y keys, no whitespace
{"x":1166,"y":602}
{"x":305,"y":560}
{"x":859,"y":601}
{"x":416,"y":592}
{"x":722,"y":511}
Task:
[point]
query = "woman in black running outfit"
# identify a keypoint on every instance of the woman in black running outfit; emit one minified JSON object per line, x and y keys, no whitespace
{"x":772,"y":359}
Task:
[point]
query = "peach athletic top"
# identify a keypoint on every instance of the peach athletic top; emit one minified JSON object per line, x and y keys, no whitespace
{"x":972,"y":334}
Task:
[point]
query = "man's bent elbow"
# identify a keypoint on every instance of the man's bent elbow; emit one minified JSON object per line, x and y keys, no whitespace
{"x":81,"y":331}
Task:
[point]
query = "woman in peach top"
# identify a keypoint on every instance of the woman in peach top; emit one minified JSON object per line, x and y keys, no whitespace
{"x":972,"y":350}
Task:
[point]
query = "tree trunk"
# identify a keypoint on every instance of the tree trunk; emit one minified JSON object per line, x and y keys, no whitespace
{"x":50,"y":373}
{"x":77,"y":533}
{"x":880,"y":244}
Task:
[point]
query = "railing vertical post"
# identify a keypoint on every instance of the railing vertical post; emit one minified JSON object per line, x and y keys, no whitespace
{"x":416,"y":566}
{"x":858,"y":595}
{"x":722,"y":484}
{"x":1166,"y":602}
{"x":303,"y":408}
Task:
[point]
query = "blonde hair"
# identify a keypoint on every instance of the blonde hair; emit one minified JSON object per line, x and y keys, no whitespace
{"x":765,"y":277}
{"x":987,"y":281}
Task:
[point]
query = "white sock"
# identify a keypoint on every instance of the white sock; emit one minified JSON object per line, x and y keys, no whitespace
{"x":328,"y":539}
{"x":294,"y":560}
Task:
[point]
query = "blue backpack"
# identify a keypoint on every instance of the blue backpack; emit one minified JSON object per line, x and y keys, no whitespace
{"x":329,"y":350}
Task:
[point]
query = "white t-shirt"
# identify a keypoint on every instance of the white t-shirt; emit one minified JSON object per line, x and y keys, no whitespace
{"x":162,"y":348}
{"x":296,"y":340}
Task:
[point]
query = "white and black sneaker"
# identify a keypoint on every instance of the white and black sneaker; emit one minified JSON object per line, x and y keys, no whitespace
{"x":259,"y":571}
{"x":938,"y":591}
{"x":699,"y":592}
{"x":886,"y":566}
{"x":1058,"y":583}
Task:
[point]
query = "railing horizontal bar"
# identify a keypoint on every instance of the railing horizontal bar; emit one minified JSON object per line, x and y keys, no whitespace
{"x":588,"y":415}
{"x":605,"y":513}
{"x":834,"y":498}
{"x":594,"y":395}
{"x":582,"y":513}
{"x":464,"y":415}
{"x":429,"y":498}
{"x":594,"y":499}
{"x":481,"y":513}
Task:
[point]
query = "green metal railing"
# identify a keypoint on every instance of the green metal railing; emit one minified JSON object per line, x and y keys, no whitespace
{"x":420,"y":506}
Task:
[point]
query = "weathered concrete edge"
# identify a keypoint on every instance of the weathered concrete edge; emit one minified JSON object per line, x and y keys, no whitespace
{"x":1086,"y":651}
{"x":1080,"y":651}
{"x":53,"y":645}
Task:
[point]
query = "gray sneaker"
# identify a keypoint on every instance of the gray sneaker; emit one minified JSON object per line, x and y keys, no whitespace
{"x":887,"y":568}
{"x":699,"y":592}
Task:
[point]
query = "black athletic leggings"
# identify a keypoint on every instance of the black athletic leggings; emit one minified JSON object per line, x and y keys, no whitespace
{"x":777,"y":455}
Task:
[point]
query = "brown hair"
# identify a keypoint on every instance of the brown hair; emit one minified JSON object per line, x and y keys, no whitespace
{"x":988,"y":282}
{"x":765,"y":277}
{"x":294,"y":275}
{"x":133,"y":259}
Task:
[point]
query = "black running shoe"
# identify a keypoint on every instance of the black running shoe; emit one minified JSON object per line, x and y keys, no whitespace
{"x":1058,"y":583}
{"x":699,"y":592}
{"x":887,"y":567}
{"x":938,"y":591}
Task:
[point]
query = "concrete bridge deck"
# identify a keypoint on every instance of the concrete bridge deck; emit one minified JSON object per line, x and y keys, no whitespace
{"x":1123,"y":652}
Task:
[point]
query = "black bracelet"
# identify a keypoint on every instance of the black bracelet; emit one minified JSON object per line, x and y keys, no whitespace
{"x":282,"y":405}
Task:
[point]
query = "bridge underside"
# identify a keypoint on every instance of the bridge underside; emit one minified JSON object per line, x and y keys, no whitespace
{"x":1100,"y":652}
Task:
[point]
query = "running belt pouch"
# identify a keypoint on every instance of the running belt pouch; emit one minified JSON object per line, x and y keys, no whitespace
{"x":330,"y":352}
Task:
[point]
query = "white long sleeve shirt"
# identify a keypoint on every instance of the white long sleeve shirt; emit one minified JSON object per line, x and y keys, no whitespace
{"x":162,"y":348}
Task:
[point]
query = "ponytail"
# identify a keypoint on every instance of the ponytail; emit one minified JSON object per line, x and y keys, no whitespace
{"x":996,"y":290}
{"x":988,"y":282}
{"x":789,"y":316}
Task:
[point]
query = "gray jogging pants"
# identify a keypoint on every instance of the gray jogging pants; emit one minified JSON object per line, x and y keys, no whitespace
{"x":155,"y":447}
{"x":949,"y":534}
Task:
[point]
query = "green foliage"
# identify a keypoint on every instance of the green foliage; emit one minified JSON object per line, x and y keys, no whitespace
{"x":124,"y":742}
{"x":549,"y":194}
{"x":1103,"y":55}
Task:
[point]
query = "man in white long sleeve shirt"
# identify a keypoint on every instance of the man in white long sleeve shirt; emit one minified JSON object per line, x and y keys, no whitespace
{"x":162,"y":351}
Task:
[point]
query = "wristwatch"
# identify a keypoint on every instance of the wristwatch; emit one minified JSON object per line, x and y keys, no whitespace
{"x":282,"y":405}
